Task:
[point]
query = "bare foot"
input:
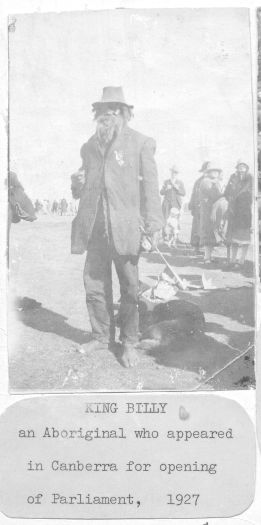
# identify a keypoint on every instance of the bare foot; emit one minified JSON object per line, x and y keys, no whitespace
{"x":130,"y":356}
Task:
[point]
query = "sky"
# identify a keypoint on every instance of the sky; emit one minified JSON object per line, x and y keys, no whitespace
{"x":186,"y":71}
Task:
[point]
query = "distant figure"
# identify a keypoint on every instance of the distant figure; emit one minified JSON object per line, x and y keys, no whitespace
{"x":55,"y":207}
{"x":64,"y":207}
{"x":173,"y":191}
{"x":239,"y":196}
{"x":38,"y":206}
{"x":20,"y":207}
{"x":46,"y":206}
{"x":172,"y":228}
{"x":210,"y":191}
{"x":194,"y":207}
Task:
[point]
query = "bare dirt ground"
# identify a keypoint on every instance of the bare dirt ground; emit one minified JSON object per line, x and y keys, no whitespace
{"x":48,"y":321}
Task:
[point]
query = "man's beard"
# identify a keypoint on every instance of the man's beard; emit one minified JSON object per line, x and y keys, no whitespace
{"x":108,"y":126}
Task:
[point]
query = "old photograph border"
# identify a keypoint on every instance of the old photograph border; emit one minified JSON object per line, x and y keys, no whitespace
{"x":25,"y":307}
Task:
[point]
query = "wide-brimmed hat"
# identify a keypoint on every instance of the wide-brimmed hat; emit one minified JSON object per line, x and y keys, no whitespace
{"x":239,"y":162}
{"x":204,"y":166}
{"x":112,"y":95}
{"x":174,"y":169}
{"x":213,"y":166}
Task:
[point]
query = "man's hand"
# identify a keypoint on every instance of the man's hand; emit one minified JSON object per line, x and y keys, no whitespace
{"x":145,"y":244}
{"x":149,"y":242}
{"x":78,"y":178}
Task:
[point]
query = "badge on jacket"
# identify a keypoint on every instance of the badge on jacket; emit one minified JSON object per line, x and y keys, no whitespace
{"x":119,"y":157}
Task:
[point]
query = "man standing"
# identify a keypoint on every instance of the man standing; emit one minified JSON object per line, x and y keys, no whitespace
{"x":173,"y":191}
{"x":118,"y":190}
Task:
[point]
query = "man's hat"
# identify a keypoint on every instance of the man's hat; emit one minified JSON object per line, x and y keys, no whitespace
{"x":174,"y":169}
{"x":239,"y":162}
{"x":112,"y":94}
{"x":212,"y":166}
{"x":204,"y":166}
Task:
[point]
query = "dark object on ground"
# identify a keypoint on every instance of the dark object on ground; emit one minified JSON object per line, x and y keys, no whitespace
{"x":245,"y":381}
{"x":172,"y":319}
{"x":175,"y":309}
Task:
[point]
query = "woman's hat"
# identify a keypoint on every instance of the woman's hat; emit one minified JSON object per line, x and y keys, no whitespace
{"x":112,"y":95}
{"x":204,"y":166}
{"x":212,"y":166}
{"x":240,"y":162}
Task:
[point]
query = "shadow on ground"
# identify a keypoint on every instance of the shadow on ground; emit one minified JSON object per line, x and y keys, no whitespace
{"x":179,"y":258}
{"x":193,"y":353}
{"x":31,"y":313}
{"x":199,"y":354}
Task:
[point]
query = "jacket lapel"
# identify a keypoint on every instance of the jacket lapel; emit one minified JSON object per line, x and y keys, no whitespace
{"x":96,"y":150}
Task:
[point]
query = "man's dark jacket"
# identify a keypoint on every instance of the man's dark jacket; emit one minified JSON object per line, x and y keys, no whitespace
{"x":173,"y":193}
{"x":129,"y":174}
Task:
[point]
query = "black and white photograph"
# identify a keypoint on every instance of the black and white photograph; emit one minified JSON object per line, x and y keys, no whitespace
{"x":131,"y":190}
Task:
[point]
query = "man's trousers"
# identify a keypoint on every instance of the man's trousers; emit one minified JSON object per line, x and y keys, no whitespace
{"x":98,"y":285}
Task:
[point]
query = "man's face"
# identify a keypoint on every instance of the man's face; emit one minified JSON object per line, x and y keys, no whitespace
{"x":214,"y":174}
{"x":242,"y":169}
{"x":109,"y":122}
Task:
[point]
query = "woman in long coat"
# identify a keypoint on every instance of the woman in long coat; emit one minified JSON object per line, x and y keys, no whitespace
{"x":239,"y":196}
{"x":209,"y":192}
{"x":194,"y":207}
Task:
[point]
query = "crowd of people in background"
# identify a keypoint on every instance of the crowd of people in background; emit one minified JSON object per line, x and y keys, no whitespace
{"x":56,"y":207}
{"x":222,"y":213}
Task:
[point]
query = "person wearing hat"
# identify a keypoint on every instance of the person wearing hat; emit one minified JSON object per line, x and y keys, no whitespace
{"x":119,"y":196}
{"x":239,"y":194}
{"x":194,"y":207}
{"x":210,"y":191}
{"x":173,"y":191}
